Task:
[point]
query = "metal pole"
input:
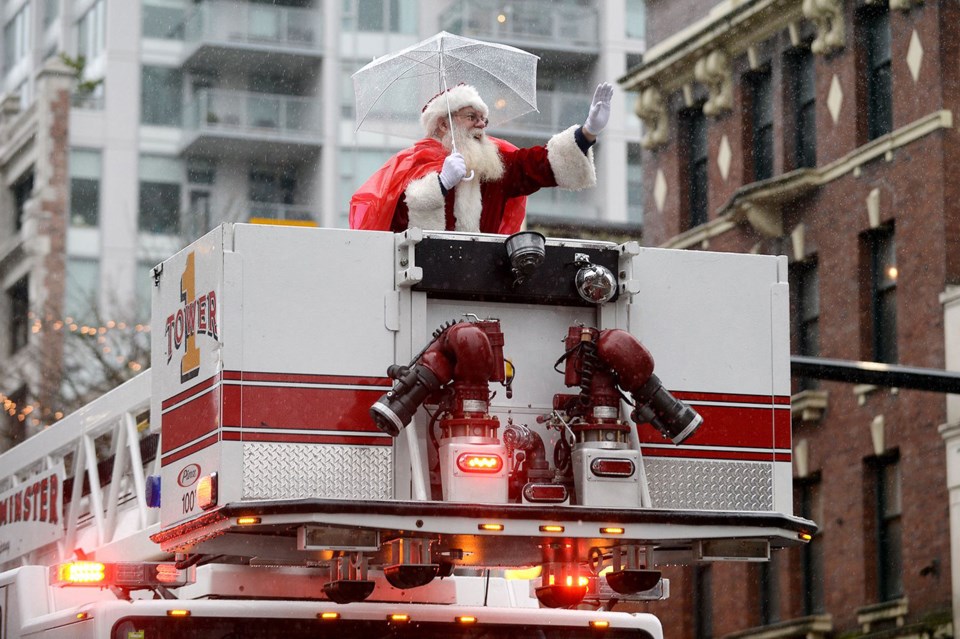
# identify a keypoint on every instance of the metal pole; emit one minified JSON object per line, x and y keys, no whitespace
{"x":890,"y":375}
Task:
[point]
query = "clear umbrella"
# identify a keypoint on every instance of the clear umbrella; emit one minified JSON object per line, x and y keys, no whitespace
{"x":392,"y":90}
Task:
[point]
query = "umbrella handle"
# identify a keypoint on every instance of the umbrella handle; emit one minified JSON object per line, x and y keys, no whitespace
{"x":443,"y":86}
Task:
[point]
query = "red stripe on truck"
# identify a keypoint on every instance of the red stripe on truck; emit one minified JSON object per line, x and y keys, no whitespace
{"x":300,"y":408}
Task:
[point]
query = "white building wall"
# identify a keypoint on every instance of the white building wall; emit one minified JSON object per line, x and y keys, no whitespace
{"x":119,"y":183}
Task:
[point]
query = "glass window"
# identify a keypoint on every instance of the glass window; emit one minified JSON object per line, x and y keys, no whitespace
{"x":636,"y":19}
{"x":160,"y":179}
{"x":356,"y":165}
{"x":875,"y":40}
{"x":164,"y":19}
{"x":370,"y":15}
{"x":197,"y":221}
{"x":888,"y":542}
{"x":275,"y":184}
{"x":18,"y":301}
{"x":85,"y":169}
{"x":761,"y":117}
{"x":806,"y":282}
{"x":395,"y":16}
{"x":16,"y":38}
{"x":21,"y":190}
{"x":91,"y":31}
{"x":695,"y":132}
{"x":702,"y":602}
{"x":883,"y":278}
{"x":201,"y":170}
{"x":811,"y":558}
{"x":198,"y":627}
{"x":51,"y":11}
{"x":161,"y":93}
{"x":769,"y":599}
{"x":634,"y":183}
{"x":83,"y":283}
{"x":804,"y":91}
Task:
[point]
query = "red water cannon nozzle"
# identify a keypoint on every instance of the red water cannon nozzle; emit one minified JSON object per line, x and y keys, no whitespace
{"x":599,"y":361}
{"x":467,"y":354}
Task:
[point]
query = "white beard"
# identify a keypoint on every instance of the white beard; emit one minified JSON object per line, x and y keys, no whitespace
{"x":482,"y":155}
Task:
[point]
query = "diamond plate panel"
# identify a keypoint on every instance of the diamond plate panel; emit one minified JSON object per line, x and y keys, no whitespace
{"x":709,"y":485}
{"x":299,"y":471}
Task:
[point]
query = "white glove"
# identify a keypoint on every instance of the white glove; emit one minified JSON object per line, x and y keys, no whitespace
{"x":454,"y":168}
{"x":599,"y":109}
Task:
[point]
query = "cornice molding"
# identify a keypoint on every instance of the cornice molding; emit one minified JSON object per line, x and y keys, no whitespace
{"x":759,"y":203}
{"x":732,"y":27}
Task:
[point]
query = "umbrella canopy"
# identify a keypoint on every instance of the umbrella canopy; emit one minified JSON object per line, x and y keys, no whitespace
{"x":392,"y":90}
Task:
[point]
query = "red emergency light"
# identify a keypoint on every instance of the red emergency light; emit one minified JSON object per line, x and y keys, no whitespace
{"x":131,"y":576}
{"x":606,"y":467}
{"x":545,"y":493}
{"x":479,"y":463}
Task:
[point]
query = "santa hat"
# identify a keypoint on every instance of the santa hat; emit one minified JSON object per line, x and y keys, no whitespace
{"x":462,"y":95}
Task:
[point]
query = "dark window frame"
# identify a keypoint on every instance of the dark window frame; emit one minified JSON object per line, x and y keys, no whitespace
{"x":760,"y":86}
{"x":887,"y":508}
{"x":806,"y":319}
{"x":883,"y":294}
{"x":161,"y":94}
{"x":84,"y":202}
{"x":803,"y":90}
{"x":698,"y":182}
{"x":154,"y":196}
{"x":808,"y":496}
{"x":18,"y":302}
{"x":21,"y":190}
{"x":702,"y":602}
{"x":768,"y":601}
{"x":876,"y":42}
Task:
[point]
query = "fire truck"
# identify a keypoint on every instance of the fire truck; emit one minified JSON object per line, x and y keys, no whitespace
{"x":362,"y":434}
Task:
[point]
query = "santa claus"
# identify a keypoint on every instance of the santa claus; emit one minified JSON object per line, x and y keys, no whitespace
{"x":427,"y":186}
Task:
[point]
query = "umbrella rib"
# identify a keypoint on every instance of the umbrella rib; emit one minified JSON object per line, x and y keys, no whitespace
{"x":387,"y":87}
{"x":477,"y":66}
{"x":447,"y":62}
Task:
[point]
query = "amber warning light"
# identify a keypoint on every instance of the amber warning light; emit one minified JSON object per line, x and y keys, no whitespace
{"x":129,"y":576}
{"x":474,"y":463}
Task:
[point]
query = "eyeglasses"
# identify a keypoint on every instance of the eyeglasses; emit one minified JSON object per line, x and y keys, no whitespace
{"x":473,"y":118}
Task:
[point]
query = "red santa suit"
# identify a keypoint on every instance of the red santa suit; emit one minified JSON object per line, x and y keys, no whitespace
{"x":406,"y":191}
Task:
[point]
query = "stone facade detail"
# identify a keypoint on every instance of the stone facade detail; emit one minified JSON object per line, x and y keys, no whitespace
{"x":828,"y":16}
{"x":713,"y":71}
{"x":653,"y":114}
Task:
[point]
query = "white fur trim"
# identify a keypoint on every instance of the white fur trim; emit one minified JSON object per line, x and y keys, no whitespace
{"x":467,"y":206}
{"x":425,"y":203}
{"x":456,"y":98}
{"x":572,"y":169}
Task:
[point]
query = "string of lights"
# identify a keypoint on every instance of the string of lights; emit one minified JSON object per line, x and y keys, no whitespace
{"x":34,"y":413}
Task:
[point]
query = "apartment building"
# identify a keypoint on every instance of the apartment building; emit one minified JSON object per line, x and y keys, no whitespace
{"x":825,"y":131}
{"x":188,"y":113}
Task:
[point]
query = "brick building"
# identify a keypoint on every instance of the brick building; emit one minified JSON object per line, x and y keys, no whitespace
{"x":824,"y":130}
{"x":33,"y":203}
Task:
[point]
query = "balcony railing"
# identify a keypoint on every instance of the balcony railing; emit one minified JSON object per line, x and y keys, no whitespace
{"x":247,"y":23}
{"x":558,"y":111}
{"x":223,"y":110}
{"x":276,"y":211}
{"x":533,"y":21}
